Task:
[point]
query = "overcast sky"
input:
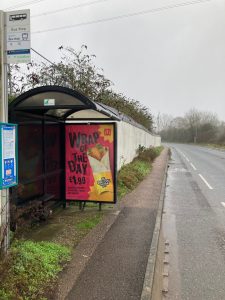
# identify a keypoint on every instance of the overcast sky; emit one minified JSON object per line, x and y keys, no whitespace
{"x":170,"y":60}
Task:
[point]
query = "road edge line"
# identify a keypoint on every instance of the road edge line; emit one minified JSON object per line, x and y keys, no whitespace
{"x":151,"y":264}
{"x":205,"y":181}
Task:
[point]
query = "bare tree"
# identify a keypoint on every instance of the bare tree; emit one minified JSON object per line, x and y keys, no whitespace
{"x":195,"y":126}
{"x":162,"y":121}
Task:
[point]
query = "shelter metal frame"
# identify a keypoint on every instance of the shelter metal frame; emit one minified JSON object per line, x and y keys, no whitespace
{"x":65,"y":103}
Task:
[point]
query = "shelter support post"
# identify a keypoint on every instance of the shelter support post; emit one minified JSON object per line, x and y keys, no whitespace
{"x":4,"y":194}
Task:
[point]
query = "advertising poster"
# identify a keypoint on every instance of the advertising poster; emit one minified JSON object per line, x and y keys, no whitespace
{"x":90,"y":162}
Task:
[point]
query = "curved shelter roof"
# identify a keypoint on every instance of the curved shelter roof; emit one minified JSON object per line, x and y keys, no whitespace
{"x":58,"y":102}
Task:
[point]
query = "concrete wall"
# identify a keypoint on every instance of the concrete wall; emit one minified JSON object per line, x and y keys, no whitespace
{"x":129,"y":139}
{"x":129,"y":136}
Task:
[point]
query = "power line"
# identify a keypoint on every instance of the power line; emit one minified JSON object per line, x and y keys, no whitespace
{"x":154,"y":10}
{"x":53,"y":64}
{"x":23,"y":4}
{"x":68,"y":8}
{"x":38,"y":53}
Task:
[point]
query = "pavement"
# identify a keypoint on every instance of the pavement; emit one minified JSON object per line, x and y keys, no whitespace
{"x":110,"y":263}
{"x":194,"y":223}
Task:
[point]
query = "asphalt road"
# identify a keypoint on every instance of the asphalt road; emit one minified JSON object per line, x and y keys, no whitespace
{"x":194,"y":223}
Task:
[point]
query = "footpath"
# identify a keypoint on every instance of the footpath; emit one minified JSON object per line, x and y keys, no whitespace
{"x":110,"y":263}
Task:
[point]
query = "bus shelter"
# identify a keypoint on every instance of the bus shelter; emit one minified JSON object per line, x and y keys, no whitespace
{"x":67,"y":146}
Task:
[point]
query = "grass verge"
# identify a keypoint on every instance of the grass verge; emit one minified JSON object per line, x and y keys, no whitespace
{"x":30,"y":268}
{"x":214,"y":146}
{"x":89,"y":223}
{"x":132,"y":174}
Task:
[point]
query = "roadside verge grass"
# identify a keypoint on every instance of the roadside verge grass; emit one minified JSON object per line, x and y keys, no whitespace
{"x":213,"y":146}
{"x":132,"y":174}
{"x":89,"y":224}
{"x":30,"y":268}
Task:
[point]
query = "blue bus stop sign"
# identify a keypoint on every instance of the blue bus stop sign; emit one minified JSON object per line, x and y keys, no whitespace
{"x":8,"y":155}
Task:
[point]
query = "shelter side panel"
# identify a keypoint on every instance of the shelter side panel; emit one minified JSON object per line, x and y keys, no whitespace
{"x":90,"y":162}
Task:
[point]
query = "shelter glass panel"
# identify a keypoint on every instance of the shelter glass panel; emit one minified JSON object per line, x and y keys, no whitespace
{"x":30,"y":159}
{"x":52,"y":157}
{"x":57,"y":112}
{"x":49,"y":99}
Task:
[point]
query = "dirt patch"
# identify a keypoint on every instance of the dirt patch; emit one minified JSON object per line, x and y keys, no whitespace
{"x":67,"y":226}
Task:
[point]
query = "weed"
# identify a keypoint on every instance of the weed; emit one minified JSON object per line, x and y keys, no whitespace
{"x":30,"y":268}
{"x":89,"y":223}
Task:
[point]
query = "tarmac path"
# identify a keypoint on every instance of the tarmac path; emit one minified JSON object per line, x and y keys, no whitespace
{"x":116,"y":270}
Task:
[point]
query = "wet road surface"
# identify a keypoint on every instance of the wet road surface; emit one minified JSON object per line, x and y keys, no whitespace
{"x":194,"y":223}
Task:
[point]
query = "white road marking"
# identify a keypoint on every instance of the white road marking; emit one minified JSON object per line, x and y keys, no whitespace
{"x":187,"y":159}
{"x":193,"y":166}
{"x":223,"y":203}
{"x":205,"y":181}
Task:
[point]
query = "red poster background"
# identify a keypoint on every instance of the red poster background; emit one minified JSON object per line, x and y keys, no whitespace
{"x":79,"y":139}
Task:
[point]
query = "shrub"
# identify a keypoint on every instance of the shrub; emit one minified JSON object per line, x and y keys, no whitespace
{"x":131,"y":174}
{"x":148,"y":154}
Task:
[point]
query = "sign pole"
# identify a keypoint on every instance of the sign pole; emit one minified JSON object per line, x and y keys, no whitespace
{"x":4,"y":194}
{"x":3,"y":76}
{"x":14,"y":49}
